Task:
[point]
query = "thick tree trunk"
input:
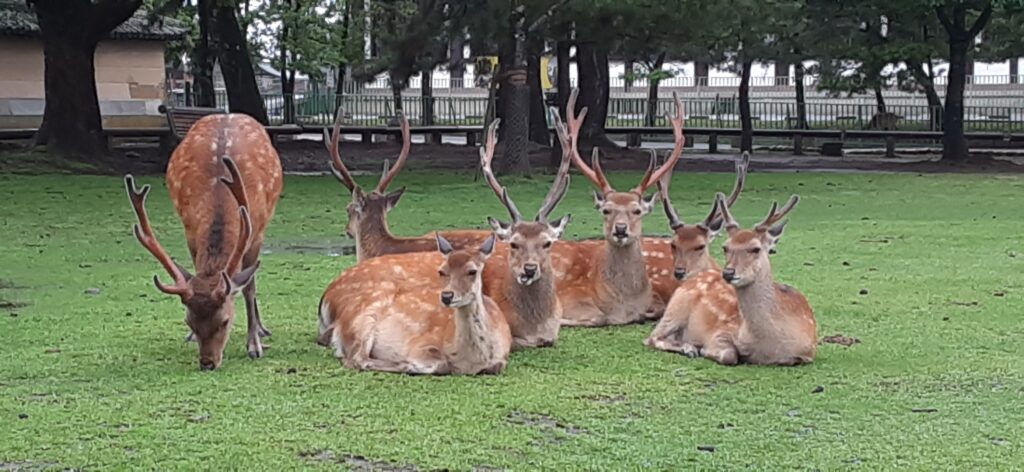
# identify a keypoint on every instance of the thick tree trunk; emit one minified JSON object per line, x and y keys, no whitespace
{"x":923,"y":75}
{"x":204,"y":58}
{"x":538,"y":117}
{"x":236,"y":65}
{"x":654,"y":82}
{"x":954,"y":143}
{"x":879,"y":99}
{"x":457,"y":60}
{"x":563,"y":79}
{"x":427,"y":98}
{"x":287,"y":85}
{"x":801,"y":100}
{"x":339,"y":86}
{"x":746,"y":124}
{"x":700,"y":73}
{"x":397,"y":85}
{"x":517,"y":120}
{"x":594,"y":79}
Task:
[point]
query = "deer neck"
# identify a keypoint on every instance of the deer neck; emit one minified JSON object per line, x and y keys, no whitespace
{"x":758,"y":305}
{"x":374,"y":238}
{"x":215,"y":250}
{"x":624,"y":268}
{"x":474,"y":332}
{"x":535,"y":302}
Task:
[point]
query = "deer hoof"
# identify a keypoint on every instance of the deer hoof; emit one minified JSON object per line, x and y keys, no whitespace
{"x":255,"y":352}
{"x":264,"y":332}
{"x":191,"y":338}
{"x":689,"y":350}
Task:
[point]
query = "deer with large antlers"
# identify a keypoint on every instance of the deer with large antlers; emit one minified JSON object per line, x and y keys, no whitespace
{"x":777,"y":324}
{"x":519,"y":277}
{"x":702,"y":317}
{"x":610,"y":283}
{"x":404,"y":328}
{"x":367,"y":212}
{"x":224,"y":218}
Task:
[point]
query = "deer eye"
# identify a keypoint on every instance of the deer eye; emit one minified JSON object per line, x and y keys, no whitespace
{"x":673,"y":245}
{"x":471,"y":273}
{"x":225,"y":323}
{"x":637,"y":211}
{"x":442,"y":273}
{"x":699,"y":248}
{"x":756,"y":250}
{"x":514,"y":245}
{"x":725,"y":249}
{"x":547,"y":245}
{"x":606,"y":211}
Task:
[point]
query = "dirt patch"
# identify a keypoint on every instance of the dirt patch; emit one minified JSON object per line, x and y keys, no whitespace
{"x":839,"y":339}
{"x":355,"y":462}
{"x":552,"y":430}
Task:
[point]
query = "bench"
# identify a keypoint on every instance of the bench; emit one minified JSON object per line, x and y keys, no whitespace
{"x":181,"y":119}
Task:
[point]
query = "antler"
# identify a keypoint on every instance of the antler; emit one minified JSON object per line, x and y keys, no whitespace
{"x":674,"y":221}
{"x":741,"y":178}
{"x":652,"y":176}
{"x":486,"y":156}
{"x":723,"y":209}
{"x":568,"y":135}
{"x":388,"y":175}
{"x":144,"y":233}
{"x":337,"y":166}
{"x":234,"y":183}
{"x":561,"y":183}
{"x":776,"y":216}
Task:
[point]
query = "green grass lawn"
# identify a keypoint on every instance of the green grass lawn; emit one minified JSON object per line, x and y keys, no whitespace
{"x":926,"y":271}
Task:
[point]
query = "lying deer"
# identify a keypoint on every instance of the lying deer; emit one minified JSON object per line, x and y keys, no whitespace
{"x":777,"y":324}
{"x":217,"y":211}
{"x":608,"y":283}
{"x":367,"y":212}
{"x":519,"y":278}
{"x":702,"y":317}
{"x":390,"y":327}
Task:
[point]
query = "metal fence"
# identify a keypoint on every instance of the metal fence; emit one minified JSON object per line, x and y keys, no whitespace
{"x":717,"y":112}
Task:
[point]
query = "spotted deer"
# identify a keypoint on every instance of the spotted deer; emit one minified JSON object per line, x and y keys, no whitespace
{"x":777,"y":325}
{"x":608,"y":283}
{"x":519,"y":278}
{"x":407,"y":328}
{"x":367,"y":212}
{"x":224,"y":218}
{"x":702,"y":317}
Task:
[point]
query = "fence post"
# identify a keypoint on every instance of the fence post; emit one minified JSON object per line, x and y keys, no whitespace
{"x":890,"y":146}
{"x":713,"y":143}
{"x":798,"y":144}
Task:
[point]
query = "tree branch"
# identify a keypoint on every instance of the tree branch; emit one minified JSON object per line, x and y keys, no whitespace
{"x":109,"y":14}
{"x":980,"y":23}
{"x":544,"y":18}
{"x":944,"y":19}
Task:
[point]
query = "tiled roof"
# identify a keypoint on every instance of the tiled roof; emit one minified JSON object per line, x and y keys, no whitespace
{"x":17,"y":20}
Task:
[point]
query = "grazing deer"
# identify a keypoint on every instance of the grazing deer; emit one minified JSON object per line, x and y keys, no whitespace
{"x":777,"y":324}
{"x":608,"y":283}
{"x":367,"y":212}
{"x":402,"y":328}
{"x":520,"y":278}
{"x":702,"y":317}
{"x":215,"y":216}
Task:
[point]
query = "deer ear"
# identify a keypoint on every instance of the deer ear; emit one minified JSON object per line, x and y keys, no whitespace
{"x":647,"y":202}
{"x":443,"y":245}
{"x":359,"y":196}
{"x":488,"y":247}
{"x":184,"y":271}
{"x":773,"y":234}
{"x":391,"y":199}
{"x":242,"y":279}
{"x":598,"y":199}
{"x":502,"y":229}
{"x":558,"y":226}
{"x":713,"y":227}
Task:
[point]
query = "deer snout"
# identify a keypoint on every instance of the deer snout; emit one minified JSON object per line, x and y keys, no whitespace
{"x":620,"y":230}
{"x":207,"y":364}
{"x":529,"y":270}
{"x":729,"y":274}
{"x":680,"y":273}
{"x":447,"y":297}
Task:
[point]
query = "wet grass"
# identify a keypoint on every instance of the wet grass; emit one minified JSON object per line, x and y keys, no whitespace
{"x":927,"y":272}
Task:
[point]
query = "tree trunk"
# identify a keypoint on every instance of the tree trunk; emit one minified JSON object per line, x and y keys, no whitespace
{"x":592,"y":63}
{"x":396,"y":92}
{"x":204,"y":58}
{"x":339,"y":86}
{"x":879,"y":99}
{"x":287,"y":86}
{"x":236,"y":65}
{"x":563,"y":79}
{"x":925,"y":79}
{"x":72,"y":124}
{"x":1015,"y":70}
{"x":517,"y":120}
{"x":782,"y":73}
{"x":627,"y":76}
{"x":954,"y":143}
{"x":700,"y":74}
{"x":801,"y":101}
{"x":457,"y":60}
{"x":746,"y":124}
{"x":427,"y":98}
{"x":538,"y":117}
{"x":654,"y":82}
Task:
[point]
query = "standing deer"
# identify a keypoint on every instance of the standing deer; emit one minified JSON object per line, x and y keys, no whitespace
{"x":519,"y":278}
{"x":777,"y":324}
{"x":702,"y":317}
{"x":392,"y":327}
{"x":367,"y":212}
{"x":214,"y":215}
{"x":608,"y":284}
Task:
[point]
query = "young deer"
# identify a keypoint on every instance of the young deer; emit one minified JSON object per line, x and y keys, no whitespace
{"x":777,"y":324}
{"x":609,"y":283}
{"x":702,"y":317}
{"x":208,"y":210}
{"x":383,"y":326}
{"x":367,"y":212}
{"x":520,"y":278}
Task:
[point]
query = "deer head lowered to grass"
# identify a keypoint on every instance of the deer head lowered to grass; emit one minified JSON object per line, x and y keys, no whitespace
{"x":224,"y":219}
{"x":777,"y":324}
{"x":518,"y":277}
{"x":609,"y":283}
{"x":702,"y":317}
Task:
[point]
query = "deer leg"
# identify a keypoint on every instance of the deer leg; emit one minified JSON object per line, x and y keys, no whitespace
{"x":252,"y":311}
{"x":721,"y":350}
{"x":261,"y":330}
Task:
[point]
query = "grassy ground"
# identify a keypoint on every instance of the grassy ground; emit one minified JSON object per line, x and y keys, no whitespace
{"x":926,"y":271}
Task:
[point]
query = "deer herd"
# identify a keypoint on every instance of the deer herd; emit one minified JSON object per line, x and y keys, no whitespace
{"x":458,"y":302}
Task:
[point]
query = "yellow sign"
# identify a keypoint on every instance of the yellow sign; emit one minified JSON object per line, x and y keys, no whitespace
{"x":484,"y":67}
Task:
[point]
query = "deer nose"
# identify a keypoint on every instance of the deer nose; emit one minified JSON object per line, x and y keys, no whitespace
{"x":206,"y":364}
{"x":530,"y":270}
{"x":447,"y":297}
{"x":620,"y":229}
{"x":680,"y":274}
{"x":729,"y":274}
